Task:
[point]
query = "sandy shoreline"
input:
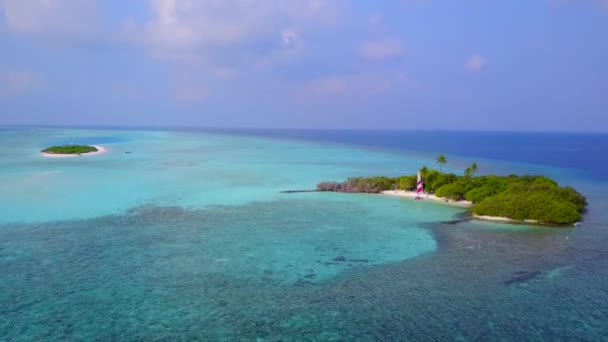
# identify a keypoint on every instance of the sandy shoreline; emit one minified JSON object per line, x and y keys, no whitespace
{"x":502,"y":219}
{"x":413,"y":194}
{"x":462,"y":204}
{"x":100,"y":150}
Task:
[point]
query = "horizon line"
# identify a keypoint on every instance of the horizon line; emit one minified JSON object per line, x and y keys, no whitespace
{"x":352,"y":129}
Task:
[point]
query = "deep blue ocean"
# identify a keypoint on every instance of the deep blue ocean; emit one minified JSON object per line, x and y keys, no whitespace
{"x":184,"y":234}
{"x":586,"y":152}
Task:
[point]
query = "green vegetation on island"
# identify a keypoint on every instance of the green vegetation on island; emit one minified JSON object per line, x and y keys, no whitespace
{"x":520,"y":198}
{"x":70,"y":149}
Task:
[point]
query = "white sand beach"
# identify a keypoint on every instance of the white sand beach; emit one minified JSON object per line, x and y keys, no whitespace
{"x":100,"y":150}
{"x":413,"y":194}
{"x":463,"y":204}
{"x":502,"y":219}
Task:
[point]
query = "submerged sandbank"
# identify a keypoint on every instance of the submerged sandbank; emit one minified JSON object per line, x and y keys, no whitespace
{"x":100,"y":150}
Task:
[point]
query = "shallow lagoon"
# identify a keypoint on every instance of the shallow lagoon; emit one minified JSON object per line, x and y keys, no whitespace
{"x":188,"y":236}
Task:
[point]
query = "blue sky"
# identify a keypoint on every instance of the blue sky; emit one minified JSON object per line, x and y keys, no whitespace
{"x":410,"y":64}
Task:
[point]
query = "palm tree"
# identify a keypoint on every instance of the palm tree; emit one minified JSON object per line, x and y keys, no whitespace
{"x":441,"y":161}
{"x":474,"y":168}
{"x":469,"y":172}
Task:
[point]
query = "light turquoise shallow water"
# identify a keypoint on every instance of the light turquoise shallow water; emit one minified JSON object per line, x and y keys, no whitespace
{"x":188,"y":237}
{"x":166,"y":168}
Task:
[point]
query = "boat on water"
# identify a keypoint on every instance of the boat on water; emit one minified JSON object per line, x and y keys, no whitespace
{"x":419,"y":187}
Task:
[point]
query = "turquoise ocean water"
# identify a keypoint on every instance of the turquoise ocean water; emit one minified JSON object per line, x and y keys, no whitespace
{"x":181,"y":235}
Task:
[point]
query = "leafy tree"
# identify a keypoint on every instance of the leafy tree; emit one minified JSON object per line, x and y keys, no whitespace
{"x":430,"y":177}
{"x":453,"y":191}
{"x":424,"y":170}
{"x":441,"y":179}
{"x":485,"y":186}
{"x":517,"y":197}
{"x":406,"y":183}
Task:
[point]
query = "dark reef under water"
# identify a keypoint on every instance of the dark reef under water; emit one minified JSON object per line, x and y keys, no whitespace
{"x":145,"y":275}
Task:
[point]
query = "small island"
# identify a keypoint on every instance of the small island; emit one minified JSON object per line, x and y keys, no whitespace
{"x":521,"y":199}
{"x":72,"y":150}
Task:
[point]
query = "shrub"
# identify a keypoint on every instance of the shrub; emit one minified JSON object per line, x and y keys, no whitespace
{"x":406,"y":183}
{"x":520,"y":198}
{"x":455,"y":191}
{"x":70,"y":149}
{"x":328,"y":186}
{"x":541,"y":205}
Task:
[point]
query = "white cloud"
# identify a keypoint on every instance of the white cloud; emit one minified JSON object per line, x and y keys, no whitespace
{"x":185,"y":29}
{"x":291,"y":46}
{"x":185,"y":24}
{"x":476,"y":63}
{"x":17,"y":82}
{"x":225,"y":38}
{"x":48,"y":17}
{"x":218,"y":39}
{"x":381,"y":49}
{"x":289,"y":37}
